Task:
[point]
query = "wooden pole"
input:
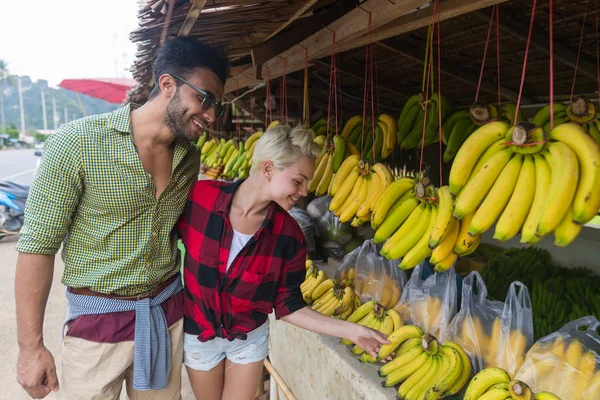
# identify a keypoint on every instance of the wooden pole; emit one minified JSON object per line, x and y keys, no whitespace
{"x":279,"y":380}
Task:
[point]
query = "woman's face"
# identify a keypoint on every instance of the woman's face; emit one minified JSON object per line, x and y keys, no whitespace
{"x":288,"y":185}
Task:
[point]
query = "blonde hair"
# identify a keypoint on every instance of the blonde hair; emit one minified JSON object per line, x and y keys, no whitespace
{"x":283,"y":146}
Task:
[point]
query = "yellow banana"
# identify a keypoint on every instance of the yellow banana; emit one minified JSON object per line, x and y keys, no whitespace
{"x":518,"y":207}
{"x":465,"y":243}
{"x":445,"y":211}
{"x":407,"y":357}
{"x":396,"y":319}
{"x":320,"y":140}
{"x":323,"y":288}
{"x":484,"y":380}
{"x":471,"y":150}
{"x":428,"y":368}
{"x":408,"y":234}
{"x":388,"y":197}
{"x":465,"y":373}
{"x":567,"y":230}
{"x":418,"y":390}
{"x":496,"y":200}
{"x":253,"y":138}
{"x":396,"y":218}
{"x":446,"y":246}
{"x":323,"y":184}
{"x":356,"y":191}
{"x":359,"y":199}
{"x":345,"y":188}
{"x":391,"y":136}
{"x":450,"y":375}
{"x":350,"y":125}
{"x":406,"y":370}
{"x":446,"y":263}
{"x":565,"y":177}
{"x":542,"y":183}
{"x":340,"y":176}
{"x":487,"y":154}
{"x":386,"y":178}
{"x":319,"y":172}
{"x":587,"y":197}
{"x":396,"y":338}
{"x":420,"y":250}
{"x":373,"y":187}
{"x":362,"y":311}
{"x":476,"y":190}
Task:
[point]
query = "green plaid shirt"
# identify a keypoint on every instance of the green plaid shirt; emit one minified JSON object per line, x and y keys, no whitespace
{"x":92,"y":192}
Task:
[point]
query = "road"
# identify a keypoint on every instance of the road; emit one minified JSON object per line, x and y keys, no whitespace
{"x":19,"y":165}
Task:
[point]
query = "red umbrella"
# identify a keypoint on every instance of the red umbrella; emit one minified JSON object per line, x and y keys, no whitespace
{"x":111,"y":90}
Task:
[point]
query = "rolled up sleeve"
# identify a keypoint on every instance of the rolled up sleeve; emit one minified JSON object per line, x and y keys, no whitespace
{"x":289,"y":296}
{"x":54,"y":194}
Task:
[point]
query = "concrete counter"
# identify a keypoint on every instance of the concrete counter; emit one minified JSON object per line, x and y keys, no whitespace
{"x":318,"y":367}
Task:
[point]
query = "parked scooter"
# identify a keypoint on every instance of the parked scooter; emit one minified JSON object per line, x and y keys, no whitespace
{"x":12,"y":207}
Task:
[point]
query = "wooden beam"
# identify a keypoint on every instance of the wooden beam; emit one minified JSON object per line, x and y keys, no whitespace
{"x":352,"y":25}
{"x":297,"y":14}
{"x":541,"y":42}
{"x":192,"y":16}
{"x":453,"y":71}
{"x":270,"y":48}
{"x":408,"y":23}
{"x":245,"y":105}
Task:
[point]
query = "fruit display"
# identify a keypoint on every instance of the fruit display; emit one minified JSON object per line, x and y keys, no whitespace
{"x":566,"y":362}
{"x":373,"y":315}
{"x":422,"y":367}
{"x":558,"y":294}
{"x":495,"y":383}
{"x":515,"y":178}
{"x":412,"y":120}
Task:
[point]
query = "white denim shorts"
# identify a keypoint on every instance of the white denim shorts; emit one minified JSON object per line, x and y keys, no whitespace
{"x":204,"y":356}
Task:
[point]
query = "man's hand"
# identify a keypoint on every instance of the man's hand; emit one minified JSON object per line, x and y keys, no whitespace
{"x":36,"y":372}
{"x":368,"y":339}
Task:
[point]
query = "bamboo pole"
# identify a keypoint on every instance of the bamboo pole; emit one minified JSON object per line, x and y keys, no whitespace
{"x":279,"y":380}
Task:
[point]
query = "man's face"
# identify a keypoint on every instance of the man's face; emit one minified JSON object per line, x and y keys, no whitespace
{"x":185,"y":116}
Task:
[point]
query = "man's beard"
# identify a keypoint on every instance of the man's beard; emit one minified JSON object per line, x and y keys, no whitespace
{"x":175,"y":120}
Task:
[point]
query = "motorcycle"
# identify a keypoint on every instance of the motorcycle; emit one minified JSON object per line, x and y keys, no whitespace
{"x":12,"y":207}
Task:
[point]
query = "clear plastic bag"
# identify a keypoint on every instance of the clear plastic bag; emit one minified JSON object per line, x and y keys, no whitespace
{"x":429,"y":303}
{"x":372,"y":276}
{"x":566,"y":362}
{"x":493,"y":333}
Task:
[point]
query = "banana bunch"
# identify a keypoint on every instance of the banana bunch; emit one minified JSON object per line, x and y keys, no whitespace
{"x":320,"y":127}
{"x":542,"y":117}
{"x":355,"y":187}
{"x":422,"y":367}
{"x":455,"y":130}
{"x":215,"y":154}
{"x":378,"y":285}
{"x":532,"y":186}
{"x":373,"y":315}
{"x":333,"y":300}
{"x":378,"y":144}
{"x":507,"y":113}
{"x":314,"y":277}
{"x":495,"y":351}
{"x":563,"y":366}
{"x":347,"y":277}
{"x":412,"y":120}
{"x":495,"y":383}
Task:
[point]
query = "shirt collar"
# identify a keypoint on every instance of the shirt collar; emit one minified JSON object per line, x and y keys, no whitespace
{"x":223,"y":203}
{"x":120,"y":120}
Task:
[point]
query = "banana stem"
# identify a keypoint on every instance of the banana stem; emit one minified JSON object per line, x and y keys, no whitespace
{"x":580,"y":107}
{"x":480,"y":112}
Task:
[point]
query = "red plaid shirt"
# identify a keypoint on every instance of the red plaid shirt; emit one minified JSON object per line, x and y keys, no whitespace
{"x":265,"y":275}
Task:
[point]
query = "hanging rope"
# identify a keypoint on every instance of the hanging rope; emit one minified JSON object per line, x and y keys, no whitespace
{"x":372,"y":90}
{"x":306,"y":100}
{"x":368,"y":83}
{"x":498,"y":50}
{"x":525,"y":63}
{"x":579,"y":49}
{"x":251,"y":109}
{"x":268,"y":110}
{"x":487,"y":42}
{"x":551,"y":33}
{"x":283,"y":94}
{"x":439,"y":78}
{"x":332,"y":86}
{"x":237,"y":125}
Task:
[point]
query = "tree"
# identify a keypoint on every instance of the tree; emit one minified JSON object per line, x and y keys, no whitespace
{"x":3,"y":77}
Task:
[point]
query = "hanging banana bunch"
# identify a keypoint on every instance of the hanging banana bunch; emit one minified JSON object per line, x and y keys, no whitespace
{"x":411,"y":120}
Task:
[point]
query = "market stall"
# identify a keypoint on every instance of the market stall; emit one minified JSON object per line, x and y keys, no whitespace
{"x":454,"y":205}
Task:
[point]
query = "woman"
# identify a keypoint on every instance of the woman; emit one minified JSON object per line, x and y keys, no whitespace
{"x":245,"y":257}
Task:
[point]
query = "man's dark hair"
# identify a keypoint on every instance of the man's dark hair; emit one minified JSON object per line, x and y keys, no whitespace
{"x":181,"y":55}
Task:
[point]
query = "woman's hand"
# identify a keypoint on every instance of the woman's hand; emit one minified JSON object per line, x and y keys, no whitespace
{"x":368,"y":339}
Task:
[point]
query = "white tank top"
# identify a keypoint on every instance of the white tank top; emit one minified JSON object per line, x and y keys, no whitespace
{"x":237,"y":244}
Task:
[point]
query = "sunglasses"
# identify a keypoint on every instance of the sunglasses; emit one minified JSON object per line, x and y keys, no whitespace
{"x":208,"y":100}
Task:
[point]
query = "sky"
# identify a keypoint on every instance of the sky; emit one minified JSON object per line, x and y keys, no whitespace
{"x":68,"y":39}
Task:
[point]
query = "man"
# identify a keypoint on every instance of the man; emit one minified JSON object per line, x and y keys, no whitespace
{"x":111,"y":188}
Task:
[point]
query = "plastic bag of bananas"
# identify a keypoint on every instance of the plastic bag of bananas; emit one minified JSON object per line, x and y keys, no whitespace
{"x":376,"y":278}
{"x":566,"y":362}
{"x":494,"y":334}
{"x":429,"y":303}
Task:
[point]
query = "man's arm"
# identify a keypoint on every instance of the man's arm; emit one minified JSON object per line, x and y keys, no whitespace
{"x":36,"y":367}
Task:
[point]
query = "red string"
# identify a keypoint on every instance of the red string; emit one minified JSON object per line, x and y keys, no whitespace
{"x":306,"y":109}
{"x":525,"y":144}
{"x":283,"y":94}
{"x":251,"y":106}
{"x":365,"y":95}
{"x":332,"y":85}
{"x":551,"y":70}
{"x":372,"y":95}
{"x":439,"y":71}
{"x":597,"y":46}
{"x":429,"y":72}
{"x":525,"y":62}
{"x":498,"y":49}
{"x":487,"y":42}
{"x":269,"y":109}
{"x":579,"y":49}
